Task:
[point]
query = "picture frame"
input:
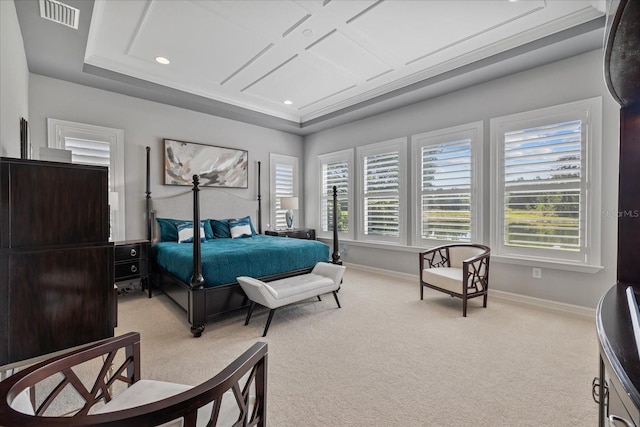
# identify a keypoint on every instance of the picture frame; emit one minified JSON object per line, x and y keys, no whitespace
{"x":216,"y":166}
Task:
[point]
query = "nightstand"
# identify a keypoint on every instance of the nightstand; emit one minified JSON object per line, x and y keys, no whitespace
{"x":131,"y":263}
{"x":296,"y":233}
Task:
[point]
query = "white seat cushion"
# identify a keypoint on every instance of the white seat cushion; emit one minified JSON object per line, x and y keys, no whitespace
{"x":148,"y":391}
{"x":448,"y":278}
{"x":22,"y":403}
{"x":291,"y":286}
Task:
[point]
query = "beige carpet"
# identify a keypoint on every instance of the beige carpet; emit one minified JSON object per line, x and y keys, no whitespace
{"x":388,"y":359}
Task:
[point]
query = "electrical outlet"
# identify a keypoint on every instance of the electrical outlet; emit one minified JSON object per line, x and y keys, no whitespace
{"x":537,"y":273}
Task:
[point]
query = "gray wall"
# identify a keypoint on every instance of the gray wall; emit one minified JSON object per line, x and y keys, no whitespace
{"x":14,"y":81}
{"x":146,"y":123}
{"x":569,"y":80}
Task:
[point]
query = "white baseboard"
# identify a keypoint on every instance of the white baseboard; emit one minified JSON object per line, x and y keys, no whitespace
{"x":542,"y":304}
{"x":390,"y":273}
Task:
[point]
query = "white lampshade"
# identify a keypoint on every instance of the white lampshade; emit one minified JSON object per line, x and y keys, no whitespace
{"x":289,"y":202}
{"x":113,"y":201}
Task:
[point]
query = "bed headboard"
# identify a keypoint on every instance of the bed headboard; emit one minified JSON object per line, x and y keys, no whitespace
{"x":215,"y":203}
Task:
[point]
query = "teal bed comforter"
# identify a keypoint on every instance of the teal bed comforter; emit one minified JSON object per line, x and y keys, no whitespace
{"x":225,"y":259}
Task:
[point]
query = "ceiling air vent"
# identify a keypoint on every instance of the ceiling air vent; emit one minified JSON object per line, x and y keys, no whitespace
{"x":59,"y":12}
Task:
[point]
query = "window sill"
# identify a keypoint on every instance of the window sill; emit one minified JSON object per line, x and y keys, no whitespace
{"x":531,"y":262}
{"x":377,"y":245}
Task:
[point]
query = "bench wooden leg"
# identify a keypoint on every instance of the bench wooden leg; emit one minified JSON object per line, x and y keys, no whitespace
{"x":335,"y":295}
{"x":266,"y":328}
{"x":253,"y":305}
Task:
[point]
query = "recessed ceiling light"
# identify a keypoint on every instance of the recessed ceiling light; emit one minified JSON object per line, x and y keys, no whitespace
{"x":162,"y":60}
{"x":308,"y":32}
{"x":287,"y":102}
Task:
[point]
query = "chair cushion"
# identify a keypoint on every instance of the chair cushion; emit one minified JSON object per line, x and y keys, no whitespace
{"x":22,"y":403}
{"x":148,"y":391}
{"x":458,"y":254}
{"x":447,"y":278}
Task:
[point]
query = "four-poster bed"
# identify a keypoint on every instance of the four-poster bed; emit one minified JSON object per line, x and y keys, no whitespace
{"x":201,"y":276}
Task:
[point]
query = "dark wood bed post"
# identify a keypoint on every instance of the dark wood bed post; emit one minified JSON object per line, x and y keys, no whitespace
{"x":198,"y":309}
{"x":148,"y":197}
{"x":259,"y":203}
{"x":335,"y":257}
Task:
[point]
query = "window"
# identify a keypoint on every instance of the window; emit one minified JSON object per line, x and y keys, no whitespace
{"x":284,"y":183}
{"x":382,"y":191}
{"x":447,"y":172}
{"x":547,"y":193}
{"x":98,"y":146}
{"x":336,"y":170}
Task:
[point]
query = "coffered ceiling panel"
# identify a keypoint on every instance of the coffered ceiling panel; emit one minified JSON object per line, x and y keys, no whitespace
{"x":345,"y":53}
{"x":304,"y":80}
{"x":411,"y":30}
{"x":324,"y":56}
{"x":196,"y":39}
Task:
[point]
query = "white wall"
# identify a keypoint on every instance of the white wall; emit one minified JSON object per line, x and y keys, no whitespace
{"x":146,"y":123}
{"x":14,"y":81}
{"x":569,"y":80}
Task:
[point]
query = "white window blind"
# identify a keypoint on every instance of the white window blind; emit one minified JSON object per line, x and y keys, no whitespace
{"x":543,"y":183}
{"x":382,"y":194}
{"x":283,"y":183}
{"x":335,"y":174}
{"x":445,"y":207}
{"x":89,"y":152}
{"x":284,"y":188}
{"x":546,"y":198}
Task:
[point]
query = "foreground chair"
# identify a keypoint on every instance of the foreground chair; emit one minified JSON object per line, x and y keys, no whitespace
{"x":234,"y":397}
{"x":460,"y":270}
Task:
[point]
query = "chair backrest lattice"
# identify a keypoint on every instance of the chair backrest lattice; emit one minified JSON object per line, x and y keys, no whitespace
{"x":95,"y":374}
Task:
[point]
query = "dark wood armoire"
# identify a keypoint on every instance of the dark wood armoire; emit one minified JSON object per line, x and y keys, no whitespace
{"x":56,"y":264}
{"x":617,"y":389}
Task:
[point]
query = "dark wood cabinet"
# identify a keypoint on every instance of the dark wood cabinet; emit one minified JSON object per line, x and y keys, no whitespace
{"x":132,"y":263}
{"x":56,"y":264}
{"x":618,"y":384}
{"x":296,"y":233}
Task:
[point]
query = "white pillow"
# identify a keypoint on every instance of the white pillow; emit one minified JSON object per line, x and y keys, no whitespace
{"x":240,"y":227}
{"x":185,"y":233}
{"x":240,"y":231}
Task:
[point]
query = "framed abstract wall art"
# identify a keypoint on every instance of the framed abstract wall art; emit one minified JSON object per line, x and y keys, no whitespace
{"x":216,"y":166}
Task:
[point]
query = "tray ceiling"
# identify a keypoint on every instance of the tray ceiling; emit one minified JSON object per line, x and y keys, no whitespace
{"x":323,"y":56}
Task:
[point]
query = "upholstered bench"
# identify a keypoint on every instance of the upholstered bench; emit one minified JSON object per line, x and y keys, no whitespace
{"x":323,"y":278}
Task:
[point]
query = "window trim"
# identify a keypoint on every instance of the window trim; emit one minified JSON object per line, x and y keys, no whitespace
{"x":336,"y":156}
{"x":396,"y":144}
{"x":591,"y":109}
{"x":56,"y":129}
{"x":473,"y":131}
{"x":275,"y":159}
